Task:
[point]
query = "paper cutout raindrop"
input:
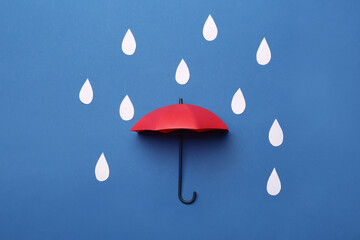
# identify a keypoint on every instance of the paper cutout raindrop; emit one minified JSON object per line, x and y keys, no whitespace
{"x":182,"y":74}
{"x":276,"y":135}
{"x":273,"y":186}
{"x":86,"y":93}
{"x":263,"y":54}
{"x":210,"y":30}
{"x":128,"y":44}
{"x":238,"y":103}
{"x":126,"y":109}
{"x":102,"y":170}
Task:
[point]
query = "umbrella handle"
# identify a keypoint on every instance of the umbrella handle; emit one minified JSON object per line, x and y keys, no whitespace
{"x":180,"y":176}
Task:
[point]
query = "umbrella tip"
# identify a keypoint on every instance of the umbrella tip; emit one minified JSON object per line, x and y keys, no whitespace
{"x":180,"y":101}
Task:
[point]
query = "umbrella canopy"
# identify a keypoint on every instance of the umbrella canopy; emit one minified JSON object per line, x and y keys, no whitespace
{"x":180,"y":117}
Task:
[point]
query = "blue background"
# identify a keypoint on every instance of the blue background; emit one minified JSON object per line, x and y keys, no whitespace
{"x":50,"y":141}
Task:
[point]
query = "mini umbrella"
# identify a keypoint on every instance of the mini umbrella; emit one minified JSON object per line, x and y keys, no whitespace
{"x":180,"y":117}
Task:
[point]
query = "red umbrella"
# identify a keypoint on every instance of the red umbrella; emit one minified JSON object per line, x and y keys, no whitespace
{"x":180,"y":117}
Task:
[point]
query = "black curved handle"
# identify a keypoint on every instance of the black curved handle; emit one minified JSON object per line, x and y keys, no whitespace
{"x":190,"y":201}
{"x":180,"y":176}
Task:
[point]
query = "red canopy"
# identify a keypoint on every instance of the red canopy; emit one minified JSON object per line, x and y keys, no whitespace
{"x":180,"y":116}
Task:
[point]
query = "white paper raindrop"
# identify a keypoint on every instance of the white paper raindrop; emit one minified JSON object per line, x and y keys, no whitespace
{"x":102,"y":170}
{"x":128,"y":44}
{"x":276,"y":135}
{"x":126,"y":109}
{"x":86,"y":93}
{"x":210,"y":30}
{"x":238,"y":103}
{"x":263,"y":54}
{"x":182,"y":74}
{"x":273,"y":186}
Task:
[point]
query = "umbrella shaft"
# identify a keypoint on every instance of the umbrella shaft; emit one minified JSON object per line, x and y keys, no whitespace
{"x":180,"y":166}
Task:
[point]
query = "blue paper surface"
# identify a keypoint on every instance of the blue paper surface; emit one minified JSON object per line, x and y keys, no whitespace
{"x":50,"y":142}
